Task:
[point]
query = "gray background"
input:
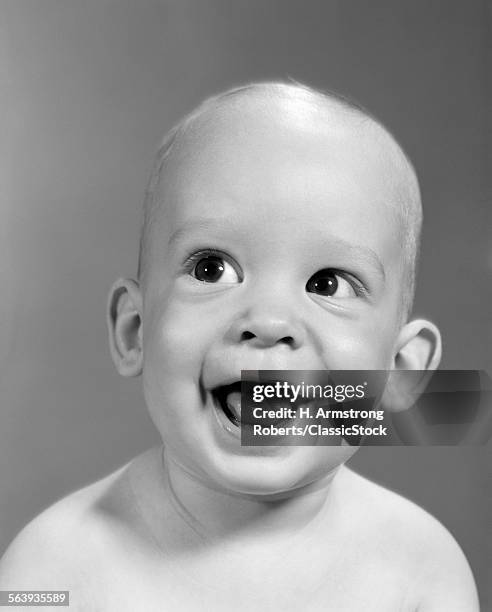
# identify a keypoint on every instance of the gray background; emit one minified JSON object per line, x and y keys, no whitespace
{"x":87,"y":90}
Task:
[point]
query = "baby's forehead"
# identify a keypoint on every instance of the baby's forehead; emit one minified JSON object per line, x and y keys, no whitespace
{"x":242,"y":138}
{"x":281,"y":120}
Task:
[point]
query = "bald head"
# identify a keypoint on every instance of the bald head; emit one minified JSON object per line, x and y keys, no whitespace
{"x":293,"y":109}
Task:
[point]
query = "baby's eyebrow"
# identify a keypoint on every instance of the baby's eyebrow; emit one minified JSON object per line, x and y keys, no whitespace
{"x":359,"y":253}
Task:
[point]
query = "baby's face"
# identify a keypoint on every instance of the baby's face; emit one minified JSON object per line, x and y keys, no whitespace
{"x":278,"y":247}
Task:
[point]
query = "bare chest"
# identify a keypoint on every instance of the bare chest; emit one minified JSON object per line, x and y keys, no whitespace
{"x":183,"y":584}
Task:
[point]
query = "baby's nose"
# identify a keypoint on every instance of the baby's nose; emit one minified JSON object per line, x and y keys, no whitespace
{"x":268,"y":334}
{"x":264,"y":328}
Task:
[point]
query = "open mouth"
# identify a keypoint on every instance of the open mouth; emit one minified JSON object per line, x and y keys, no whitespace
{"x":228,"y":399}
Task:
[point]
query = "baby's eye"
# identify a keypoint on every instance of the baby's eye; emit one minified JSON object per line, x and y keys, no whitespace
{"x":330,"y":283}
{"x":214,"y":269}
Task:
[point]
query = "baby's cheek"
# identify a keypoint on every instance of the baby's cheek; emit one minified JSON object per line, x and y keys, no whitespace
{"x":173,"y":337}
{"x":357,"y":349}
{"x":172,"y":350}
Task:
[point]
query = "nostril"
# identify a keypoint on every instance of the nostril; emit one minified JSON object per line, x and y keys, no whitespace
{"x":247,"y":335}
{"x":289,"y":340}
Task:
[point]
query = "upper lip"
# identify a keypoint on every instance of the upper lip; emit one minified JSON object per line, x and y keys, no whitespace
{"x":248,"y":375}
{"x":226,"y":369}
{"x":231,"y":379}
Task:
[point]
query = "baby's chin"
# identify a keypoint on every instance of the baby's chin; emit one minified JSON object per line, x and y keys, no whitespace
{"x":276,"y":476}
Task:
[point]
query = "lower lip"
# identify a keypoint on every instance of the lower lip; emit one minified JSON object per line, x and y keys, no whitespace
{"x":229,"y":436}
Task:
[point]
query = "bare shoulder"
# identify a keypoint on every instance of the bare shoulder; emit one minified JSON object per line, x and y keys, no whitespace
{"x":442,"y":578}
{"x":59,"y":549}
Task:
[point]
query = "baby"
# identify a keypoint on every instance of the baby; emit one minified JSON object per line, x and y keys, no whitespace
{"x":281,"y":227}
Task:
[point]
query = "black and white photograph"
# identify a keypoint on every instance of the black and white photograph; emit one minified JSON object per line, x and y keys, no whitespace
{"x":246,"y":323}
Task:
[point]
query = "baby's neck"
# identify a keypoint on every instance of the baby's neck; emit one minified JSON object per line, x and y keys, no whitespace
{"x":215,"y":514}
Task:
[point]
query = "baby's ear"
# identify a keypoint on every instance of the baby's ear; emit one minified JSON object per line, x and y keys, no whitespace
{"x":124,"y":317}
{"x":417,"y":354}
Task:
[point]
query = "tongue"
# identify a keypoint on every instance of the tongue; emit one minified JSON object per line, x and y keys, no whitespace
{"x":233,"y":400}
